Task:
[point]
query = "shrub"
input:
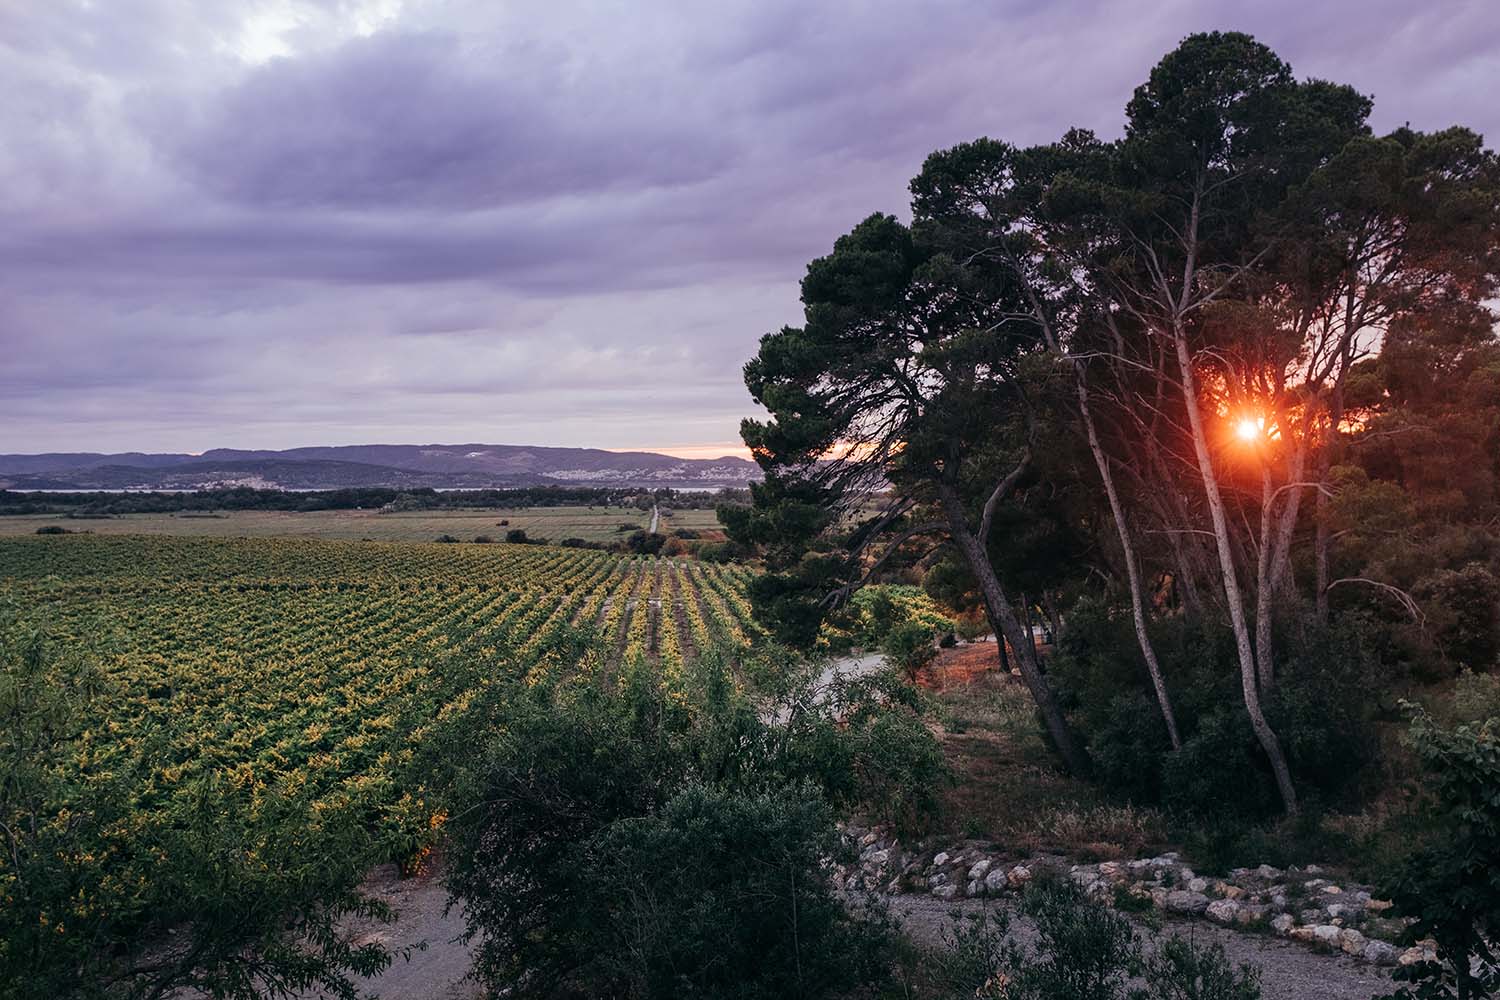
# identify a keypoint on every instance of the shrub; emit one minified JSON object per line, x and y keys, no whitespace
{"x":645,"y":543}
{"x":720,"y":552}
{"x":722,"y":894}
{"x":1322,"y":709}
{"x":53,"y":529}
{"x":1450,"y":885}
{"x":612,"y":837}
{"x":1463,"y":608}
{"x":1476,"y":697}
{"x":909,"y":647}
{"x":482,"y":539}
{"x":1180,"y":970}
{"x":1215,"y":773}
{"x":1084,"y":951}
{"x":516,"y":536}
{"x":446,"y":539}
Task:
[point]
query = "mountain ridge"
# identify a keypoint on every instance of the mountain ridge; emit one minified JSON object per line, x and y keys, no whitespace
{"x":437,"y":466}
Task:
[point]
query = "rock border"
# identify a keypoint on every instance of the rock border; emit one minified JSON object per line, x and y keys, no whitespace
{"x":1301,"y":904}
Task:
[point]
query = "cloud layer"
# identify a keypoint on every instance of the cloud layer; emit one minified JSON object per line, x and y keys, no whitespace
{"x":283,"y":223}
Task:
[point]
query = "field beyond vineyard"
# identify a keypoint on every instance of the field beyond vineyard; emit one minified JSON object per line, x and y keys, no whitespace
{"x":593,"y":524}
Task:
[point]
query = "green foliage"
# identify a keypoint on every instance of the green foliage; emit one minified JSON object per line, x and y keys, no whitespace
{"x":1179,"y":970}
{"x":251,"y":883}
{"x":1084,"y":951}
{"x":721,"y":894}
{"x":1322,"y":707}
{"x":516,"y":536}
{"x":1476,"y":698}
{"x":909,"y":647}
{"x":1464,"y":612}
{"x":645,"y":543}
{"x":1451,"y":884}
{"x":637,"y":837}
{"x":1215,"y":772}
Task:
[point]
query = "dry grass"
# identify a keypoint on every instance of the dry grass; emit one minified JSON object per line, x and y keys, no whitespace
{"x":1009,"y":787}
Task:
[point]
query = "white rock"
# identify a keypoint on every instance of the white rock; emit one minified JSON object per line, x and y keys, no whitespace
{"x":1267,"y":872}
{"x":941,"y":858}
{"x":1327,"y":934}
{"x":1187,"y":902}
{"x":948,"y":891}
{"x":1222,"y":911}
{"x":979,"y":868}
{"x":1282,"y":924}
{"x":1197,"y":885}
{"x":1380,"y":953}
{"x":995,"y":880}
{"x":1352,"y":941}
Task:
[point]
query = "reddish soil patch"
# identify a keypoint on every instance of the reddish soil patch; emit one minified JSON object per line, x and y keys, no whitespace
{"x":960,"y":666}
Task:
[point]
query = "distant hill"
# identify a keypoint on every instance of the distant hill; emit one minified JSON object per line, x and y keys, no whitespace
{"x":439,"y":466}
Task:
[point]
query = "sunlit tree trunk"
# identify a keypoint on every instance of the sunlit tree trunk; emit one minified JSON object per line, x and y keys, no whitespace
{"x":1007,"y":626}
{"x":1248,"y":675}
{"x":1132,"y":565}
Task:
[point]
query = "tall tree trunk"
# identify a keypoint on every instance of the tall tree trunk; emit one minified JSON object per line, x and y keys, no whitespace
{"x":1323,"y":537}
{"x":1132,"y":567}
{"x":1263,"y":732}
{"x":1264,"y":585}
{"x":1003,"y":619}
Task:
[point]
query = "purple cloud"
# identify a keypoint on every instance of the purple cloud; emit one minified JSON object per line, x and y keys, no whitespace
{"x":299,"y":222}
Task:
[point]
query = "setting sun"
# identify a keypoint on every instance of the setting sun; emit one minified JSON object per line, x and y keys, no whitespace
{"x":1249,"y":430}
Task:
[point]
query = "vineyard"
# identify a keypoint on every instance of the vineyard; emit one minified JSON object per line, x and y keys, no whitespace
{"x":263,"y":665}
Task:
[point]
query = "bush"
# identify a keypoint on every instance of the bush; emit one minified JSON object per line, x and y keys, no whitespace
{"x":53,"y":529}
{"x":1182,"y":971}
{"x":722,"y":894}
{"x":1082,"y":950}
{"x":614,"y":837}
{"x":1323,"y":711}
{"x":482,"y":539}
{"x":720,"y":552}
{"x":1215,"y":773}
{"x":1463,"y":608}
{"x":1476,"y":698}
{"x":645,"y":543}
{"x":1450,"y":885}
{"x":909,"y":647}
{"x":446,"y":539}
{"x":516,"y":536}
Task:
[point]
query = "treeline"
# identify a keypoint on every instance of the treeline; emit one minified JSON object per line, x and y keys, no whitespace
{"x":246,"y":498}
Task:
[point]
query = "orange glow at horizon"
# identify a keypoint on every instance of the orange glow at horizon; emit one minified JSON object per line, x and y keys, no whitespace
{"x":720,"y":450}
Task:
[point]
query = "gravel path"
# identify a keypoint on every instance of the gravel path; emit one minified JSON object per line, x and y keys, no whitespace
{"x":1288,"y":971}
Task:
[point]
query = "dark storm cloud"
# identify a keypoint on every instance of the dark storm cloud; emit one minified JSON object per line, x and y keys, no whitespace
{"x":292,"y":222}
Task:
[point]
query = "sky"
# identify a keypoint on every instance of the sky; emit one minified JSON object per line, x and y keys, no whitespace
{"x":298,"y":222}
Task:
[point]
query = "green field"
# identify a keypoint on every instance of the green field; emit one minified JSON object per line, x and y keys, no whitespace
{"x":594,"y":524}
